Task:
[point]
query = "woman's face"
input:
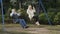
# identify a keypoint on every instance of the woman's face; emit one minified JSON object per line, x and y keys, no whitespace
{"x":30,"y":7}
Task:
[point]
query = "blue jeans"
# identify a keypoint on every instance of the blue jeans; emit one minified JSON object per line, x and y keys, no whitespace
{"x":22,"y":22}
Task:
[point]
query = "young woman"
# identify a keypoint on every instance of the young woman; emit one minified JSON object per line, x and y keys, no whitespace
{"x":16,"y":18}
{"x":30,"y":11}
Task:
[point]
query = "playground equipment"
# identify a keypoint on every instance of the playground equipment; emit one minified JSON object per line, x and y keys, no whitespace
{"x":2,"y":15}
{"x":41,"y":4}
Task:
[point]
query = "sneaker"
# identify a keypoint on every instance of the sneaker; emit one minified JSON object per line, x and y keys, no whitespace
{"x":37,"y":23}
{"x":26,"y":27}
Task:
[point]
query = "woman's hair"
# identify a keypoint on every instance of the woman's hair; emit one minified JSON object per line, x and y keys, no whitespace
{"x":30,"y":6}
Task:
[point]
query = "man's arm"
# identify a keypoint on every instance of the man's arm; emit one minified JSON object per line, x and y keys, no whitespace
{"x":11,"y":14}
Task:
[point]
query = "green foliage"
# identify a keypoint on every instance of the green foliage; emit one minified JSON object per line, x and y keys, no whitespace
{"x":43,"y":18}
{"x":57,"y":18}
{"x":51,"y":16}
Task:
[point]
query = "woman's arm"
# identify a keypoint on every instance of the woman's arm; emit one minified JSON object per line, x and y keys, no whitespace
{"x":34,"y":9}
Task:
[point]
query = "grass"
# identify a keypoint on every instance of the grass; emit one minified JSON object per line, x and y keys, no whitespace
{"x":11,"y":32}
{"x":2,"y":32}
{"x":53,"y":29}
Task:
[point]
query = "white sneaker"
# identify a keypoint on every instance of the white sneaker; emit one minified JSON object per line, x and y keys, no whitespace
{"x":37,"y":23}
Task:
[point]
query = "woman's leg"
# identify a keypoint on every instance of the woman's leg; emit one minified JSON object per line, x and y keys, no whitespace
{"x":37,"y":21}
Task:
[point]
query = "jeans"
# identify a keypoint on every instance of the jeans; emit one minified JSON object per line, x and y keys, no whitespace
{"x":21,"y":21}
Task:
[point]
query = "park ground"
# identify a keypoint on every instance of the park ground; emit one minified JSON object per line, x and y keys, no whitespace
{"x":33,"y":29}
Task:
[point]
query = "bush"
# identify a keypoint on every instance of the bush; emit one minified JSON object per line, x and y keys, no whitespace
{"x":43,"y":18}
{"x":51,"y":15}
{"x":57,"y":18}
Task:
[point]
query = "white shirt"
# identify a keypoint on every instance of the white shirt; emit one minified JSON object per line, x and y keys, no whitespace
{"x":30,"y":13}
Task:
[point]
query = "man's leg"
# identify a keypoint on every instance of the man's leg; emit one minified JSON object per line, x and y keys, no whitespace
{"x":23,"y":23}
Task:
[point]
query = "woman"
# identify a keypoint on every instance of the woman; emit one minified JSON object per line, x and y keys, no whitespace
{"x":30,"y":11}
{"x":16,"y":18}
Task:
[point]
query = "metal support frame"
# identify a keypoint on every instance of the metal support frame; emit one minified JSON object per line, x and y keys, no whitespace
{"x":2,"y":15}
{"x":40,"y":3}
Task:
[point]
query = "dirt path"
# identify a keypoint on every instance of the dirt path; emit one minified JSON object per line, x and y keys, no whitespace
{"x":30,"y":30}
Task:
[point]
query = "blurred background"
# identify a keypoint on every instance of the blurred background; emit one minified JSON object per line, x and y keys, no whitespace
{"x":52,"y":7}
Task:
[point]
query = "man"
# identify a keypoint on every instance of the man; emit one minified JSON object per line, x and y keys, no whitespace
{"x":16,"y":18}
